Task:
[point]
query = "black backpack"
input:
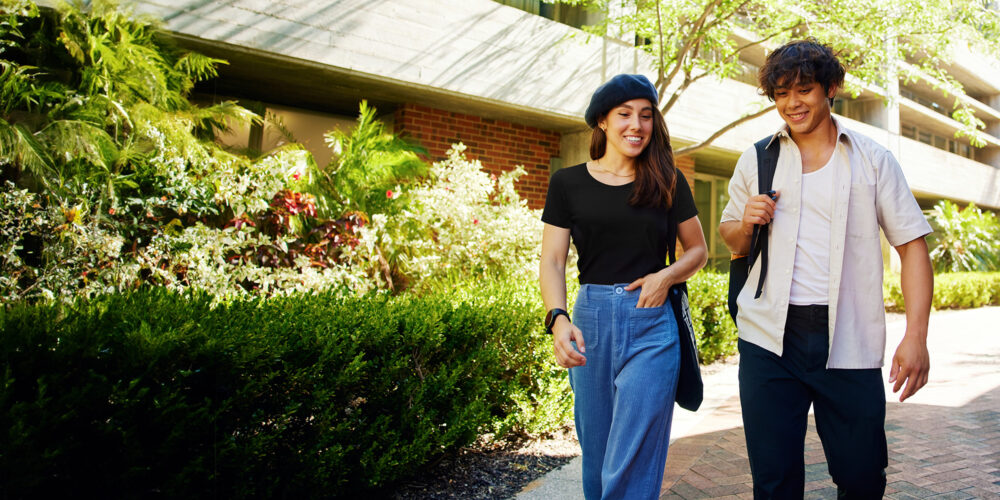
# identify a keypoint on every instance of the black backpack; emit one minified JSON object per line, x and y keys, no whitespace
{"x":739,"y":268}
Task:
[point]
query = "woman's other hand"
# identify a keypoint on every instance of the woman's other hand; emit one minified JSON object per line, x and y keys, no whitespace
{"x":655,"y":287}
{"x":564,"y":333}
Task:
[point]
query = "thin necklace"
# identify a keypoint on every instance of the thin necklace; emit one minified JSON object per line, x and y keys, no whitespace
{"x":598,"y":164}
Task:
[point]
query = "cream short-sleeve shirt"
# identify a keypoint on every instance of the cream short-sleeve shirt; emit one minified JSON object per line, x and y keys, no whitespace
{"x":869,"y":192}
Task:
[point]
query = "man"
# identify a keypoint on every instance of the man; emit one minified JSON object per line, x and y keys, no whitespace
{"x":816,"y":334}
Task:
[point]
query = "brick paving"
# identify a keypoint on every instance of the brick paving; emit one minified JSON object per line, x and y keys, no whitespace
{"x":944,"y":442}
{"x":936,"y":452}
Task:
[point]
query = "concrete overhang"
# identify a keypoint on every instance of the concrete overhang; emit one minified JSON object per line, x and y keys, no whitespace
{"x":979,"y":73}
{"x":928,"y":119}
{"x":273,"y":78}
{"x":471,"y":56}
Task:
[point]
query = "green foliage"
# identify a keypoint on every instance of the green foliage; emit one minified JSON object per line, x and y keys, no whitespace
{"x":876,"y":41}
{"x":964,"y":239}
{"x":313,"y":395}
{"x":462,"y":223}
{"x":708,"y":295}
{"x":125,"y":183}
{"x":369,"y":165}
{"x":951,"y":291}
{"x":93,"y":96}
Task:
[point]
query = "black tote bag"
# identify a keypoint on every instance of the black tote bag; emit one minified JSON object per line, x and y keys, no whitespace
{"x":690,"y":387}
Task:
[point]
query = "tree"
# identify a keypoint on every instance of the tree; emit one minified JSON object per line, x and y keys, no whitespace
{"x":89,"y":97}
{"x":878,"y":41}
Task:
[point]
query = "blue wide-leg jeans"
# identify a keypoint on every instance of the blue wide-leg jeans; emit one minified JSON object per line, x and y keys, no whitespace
{"x":624,"y":395}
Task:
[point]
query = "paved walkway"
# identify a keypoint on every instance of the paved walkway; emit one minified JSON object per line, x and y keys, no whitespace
{"x":944,"y":442}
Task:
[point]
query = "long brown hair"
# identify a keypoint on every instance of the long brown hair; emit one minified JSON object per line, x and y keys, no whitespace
{"x":655,"y":173}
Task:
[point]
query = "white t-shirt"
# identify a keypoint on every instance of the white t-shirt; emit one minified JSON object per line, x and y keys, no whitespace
{"x":811,"y":270}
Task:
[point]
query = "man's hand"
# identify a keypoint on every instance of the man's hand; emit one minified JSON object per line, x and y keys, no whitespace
{"x":911,"y":364}
{"x":758,"y":210}
{"x":563,"y":334}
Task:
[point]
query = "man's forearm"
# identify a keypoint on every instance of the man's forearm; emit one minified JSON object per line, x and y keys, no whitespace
{"x":735,"y":237}
{"x":917,"y":283}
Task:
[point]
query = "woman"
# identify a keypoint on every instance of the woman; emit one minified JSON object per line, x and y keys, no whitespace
{"x":621,"y":346}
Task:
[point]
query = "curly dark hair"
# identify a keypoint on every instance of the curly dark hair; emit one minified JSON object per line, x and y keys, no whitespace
{"x":799,"y":62}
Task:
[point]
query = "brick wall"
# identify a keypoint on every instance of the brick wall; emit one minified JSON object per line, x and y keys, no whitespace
{"x":499,"y":145}
{"x":686,"y":166}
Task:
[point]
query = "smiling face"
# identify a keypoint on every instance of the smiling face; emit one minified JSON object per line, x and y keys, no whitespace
{"x":629,"y":127}
{"x":804,"y":106}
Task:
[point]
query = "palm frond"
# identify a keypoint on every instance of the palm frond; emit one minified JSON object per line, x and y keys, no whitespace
{"x":19,"y":147}
{"x":198,"y":67}
{"x":80,"y":140}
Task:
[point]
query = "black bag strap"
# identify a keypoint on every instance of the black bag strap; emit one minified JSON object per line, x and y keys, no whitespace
{"x":672,"y":225}
{"x":767,"y":163}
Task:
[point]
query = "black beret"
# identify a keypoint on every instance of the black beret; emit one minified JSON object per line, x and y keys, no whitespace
{"x":617,"y":90}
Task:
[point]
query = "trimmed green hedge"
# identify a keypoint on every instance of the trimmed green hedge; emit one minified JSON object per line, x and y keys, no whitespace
{"x":951,"y":291}
{"x":708,"y":293}
{"x":152,"y":394}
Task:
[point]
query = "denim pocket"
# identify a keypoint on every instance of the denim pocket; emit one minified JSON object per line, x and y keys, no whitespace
{"x":587,"y":319}
{"x":651,"y":325}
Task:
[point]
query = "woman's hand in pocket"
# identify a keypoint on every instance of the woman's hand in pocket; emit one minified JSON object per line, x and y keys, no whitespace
{"x":655,"y":287}
{"x":564,"y":334}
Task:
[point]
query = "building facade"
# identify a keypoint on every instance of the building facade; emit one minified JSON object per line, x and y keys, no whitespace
{"x":510,"y":79}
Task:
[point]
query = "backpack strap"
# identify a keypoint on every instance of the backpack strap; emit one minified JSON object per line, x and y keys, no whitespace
{"x":767,"y":163}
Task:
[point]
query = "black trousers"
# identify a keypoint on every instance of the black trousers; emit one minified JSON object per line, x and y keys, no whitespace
{"x":776,"y":391}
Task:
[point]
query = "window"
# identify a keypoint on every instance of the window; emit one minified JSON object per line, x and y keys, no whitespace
{"x":572,"y":15}
{"x":941,"y":142}
{"x":868,"y":111}
{"x":966,"y":151}
{"x":924,"y":101}
{"x":532,"y":6}
{"x":711,"y":194}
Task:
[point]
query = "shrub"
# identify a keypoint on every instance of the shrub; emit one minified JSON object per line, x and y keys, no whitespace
{"x":708,"y":294}
{"x":462,"y":224}
{"x":951,"y":291}
{"x":97,"y":126}
{"x":318,"y":395}
{"x":369,"y":165}
{"x":964,"y":239}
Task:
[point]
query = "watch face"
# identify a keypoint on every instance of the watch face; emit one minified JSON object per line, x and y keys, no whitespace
{"x":552,"y":315}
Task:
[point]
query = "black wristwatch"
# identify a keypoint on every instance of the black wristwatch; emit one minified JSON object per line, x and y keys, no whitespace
{"x":551,"y":316}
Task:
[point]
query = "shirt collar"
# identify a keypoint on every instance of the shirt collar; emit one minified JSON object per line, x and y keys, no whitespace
{"x":842,"y":132}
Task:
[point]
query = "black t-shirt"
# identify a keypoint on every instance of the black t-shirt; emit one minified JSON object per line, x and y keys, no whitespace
{"x":617,"y":243}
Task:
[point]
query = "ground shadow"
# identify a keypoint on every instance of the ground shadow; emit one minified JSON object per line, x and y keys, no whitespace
{"x":934,"y":451}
